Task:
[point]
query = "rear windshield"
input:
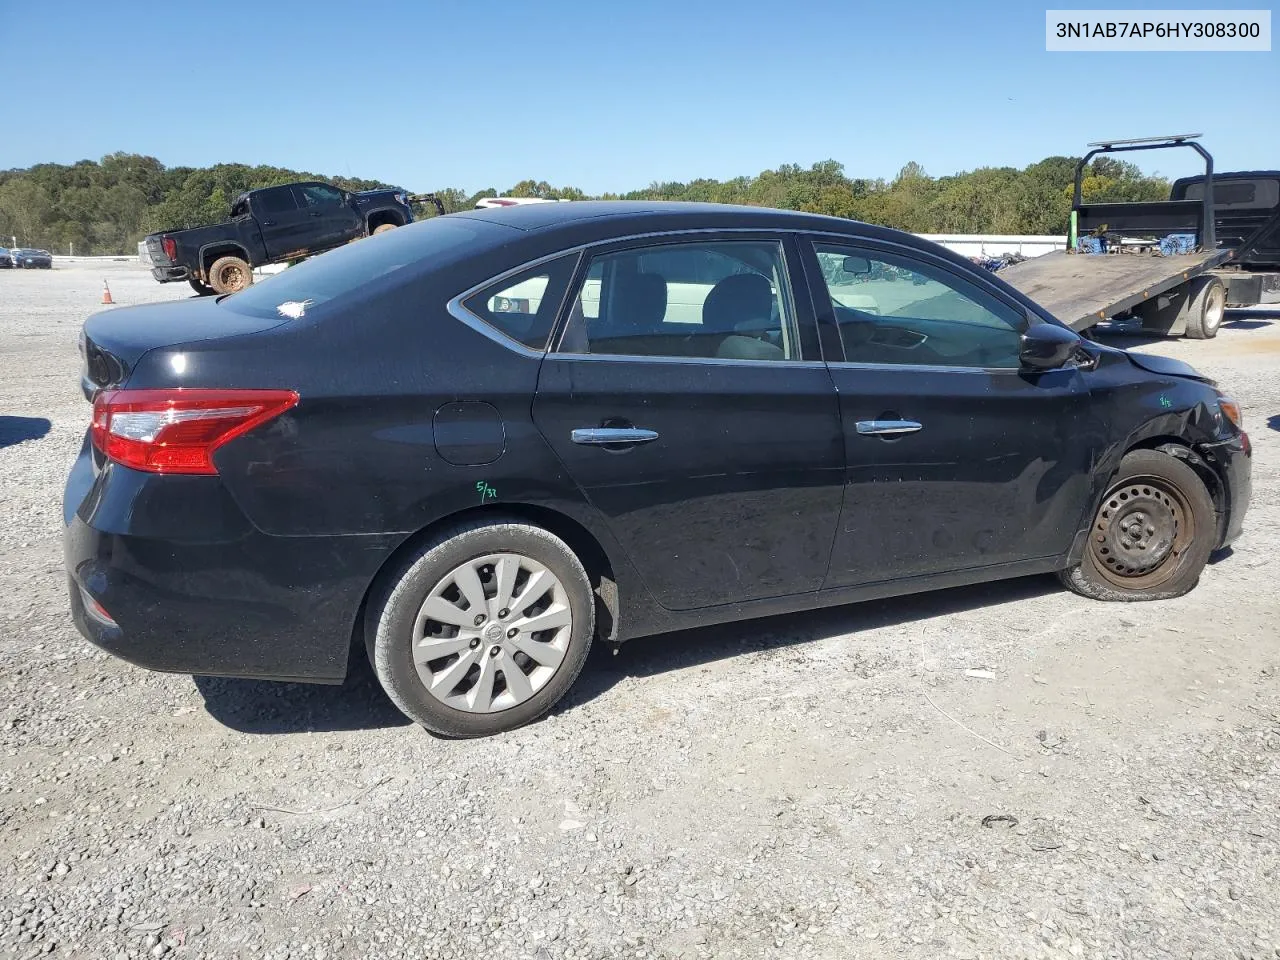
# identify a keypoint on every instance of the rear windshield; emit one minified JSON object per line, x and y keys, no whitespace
{"x":301,"y":289}
{"x":1259,"y":194}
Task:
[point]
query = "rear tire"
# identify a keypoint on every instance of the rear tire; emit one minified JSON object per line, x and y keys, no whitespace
{"x":383,"y":228}
{"x":1208,"y":298}
{"x":229,"y":275}
{"x":482,"y":682}
{"x":1151,"y":536}
{"x":200,"y":287}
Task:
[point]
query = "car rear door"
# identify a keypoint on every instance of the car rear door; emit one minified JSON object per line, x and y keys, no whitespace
{"x":711,"y":444}
{"x":332,"y":220}
{"x":283,"y":224}
{"x":957,"y":457}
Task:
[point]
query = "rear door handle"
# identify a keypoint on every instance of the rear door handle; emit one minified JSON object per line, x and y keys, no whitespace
{"x":601,"y":436}
{"x":887,"y":428}
{"x":316,"y":213}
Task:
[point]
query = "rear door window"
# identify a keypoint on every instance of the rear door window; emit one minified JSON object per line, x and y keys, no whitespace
{"x":277,"y":200}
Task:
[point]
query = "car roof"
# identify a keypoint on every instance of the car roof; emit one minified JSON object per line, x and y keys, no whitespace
{"x":545,"y":216}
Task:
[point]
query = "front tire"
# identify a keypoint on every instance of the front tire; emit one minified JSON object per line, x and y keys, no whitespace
{"x":483,"y":630}
{"x":383,"y":228}
{"x":1151,"y":536}
{"x":230,"y":275}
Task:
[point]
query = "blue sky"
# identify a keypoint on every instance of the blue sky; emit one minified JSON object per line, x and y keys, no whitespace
{"x":603,"y":96}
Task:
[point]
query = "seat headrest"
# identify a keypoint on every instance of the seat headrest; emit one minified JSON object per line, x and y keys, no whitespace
{"x":639,"y":303}
{"x":737,"y":299}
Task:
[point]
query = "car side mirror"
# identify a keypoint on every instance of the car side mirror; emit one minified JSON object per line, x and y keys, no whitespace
{"x":1047,"y":346}
{"x":856,"y":265}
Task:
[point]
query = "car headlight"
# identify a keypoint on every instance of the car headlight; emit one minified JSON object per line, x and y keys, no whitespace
{"x":1231,"y":410}
{"x":402,"y":198}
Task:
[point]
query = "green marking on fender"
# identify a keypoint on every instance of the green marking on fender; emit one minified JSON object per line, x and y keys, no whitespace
{"x":486,"y":492}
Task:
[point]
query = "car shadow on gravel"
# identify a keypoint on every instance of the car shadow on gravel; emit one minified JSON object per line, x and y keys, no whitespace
{"x":649,"y":656}
{"x":268,"y":706}
{"x":15,"y":430}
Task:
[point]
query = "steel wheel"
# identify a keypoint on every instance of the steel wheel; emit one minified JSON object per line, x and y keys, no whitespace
{"x":492,"y":633}
{"x":231,"y":276}
{"x":1214,"y":308}
{"x":1142,"y":530}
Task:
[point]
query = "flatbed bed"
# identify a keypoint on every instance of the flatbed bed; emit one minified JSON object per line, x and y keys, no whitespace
{"x":1083,"y":289}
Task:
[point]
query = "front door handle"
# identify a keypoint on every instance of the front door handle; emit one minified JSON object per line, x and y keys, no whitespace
{"x":604,"y":436}
{"x":887,"y":428}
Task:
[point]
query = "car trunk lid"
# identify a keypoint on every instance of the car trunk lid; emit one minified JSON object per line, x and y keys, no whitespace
{"x":112,"y":342}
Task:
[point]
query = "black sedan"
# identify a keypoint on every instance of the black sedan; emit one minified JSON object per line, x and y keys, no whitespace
{"x":475,"y":445}
{"x":27,"y":258}
{"x":6,"y":259}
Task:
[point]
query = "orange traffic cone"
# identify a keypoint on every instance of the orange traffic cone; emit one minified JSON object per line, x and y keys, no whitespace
{"x":106,"y":293}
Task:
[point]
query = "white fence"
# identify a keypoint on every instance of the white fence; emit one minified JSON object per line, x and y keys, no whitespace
{"x":994,"y":245}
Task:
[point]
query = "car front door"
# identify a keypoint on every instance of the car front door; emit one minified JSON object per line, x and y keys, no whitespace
{"x":284,"y":224}
{"x":333,"y":220}
{"x":957,"y":457}
{"x":710,"y":443}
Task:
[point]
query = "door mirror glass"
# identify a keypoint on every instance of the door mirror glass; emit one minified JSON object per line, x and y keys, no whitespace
{"x":855,"y":266}
{"x":1047,"y":346}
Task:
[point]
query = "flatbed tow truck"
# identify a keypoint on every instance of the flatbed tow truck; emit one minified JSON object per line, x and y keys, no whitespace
{"x":1159,"y":262}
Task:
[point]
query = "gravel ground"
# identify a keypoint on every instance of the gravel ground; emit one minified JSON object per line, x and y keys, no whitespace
{"x":812,"y":786}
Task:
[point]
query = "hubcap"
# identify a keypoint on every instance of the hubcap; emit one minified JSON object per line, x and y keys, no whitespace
{"x":1141,"y":532}
{"x":492,"y":633}
{"x":1215,"y":308}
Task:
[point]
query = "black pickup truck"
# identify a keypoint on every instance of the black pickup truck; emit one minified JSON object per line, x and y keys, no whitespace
{"x":272,"y":225}
{"x":1246,"y":208}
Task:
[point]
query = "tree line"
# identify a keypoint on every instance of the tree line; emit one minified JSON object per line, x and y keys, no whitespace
{"x":107,"y":206}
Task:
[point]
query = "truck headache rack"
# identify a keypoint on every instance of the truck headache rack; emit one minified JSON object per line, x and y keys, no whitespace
{"x":1158,"y":217}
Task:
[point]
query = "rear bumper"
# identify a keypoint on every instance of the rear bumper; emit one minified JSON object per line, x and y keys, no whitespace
{"x":188,"y":585}
{"x":168,"y":274}
{"x":1232,"y":462}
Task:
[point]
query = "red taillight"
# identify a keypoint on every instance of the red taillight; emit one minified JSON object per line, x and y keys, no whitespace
{"x":170,"y":248}
{"x":177,"y":431}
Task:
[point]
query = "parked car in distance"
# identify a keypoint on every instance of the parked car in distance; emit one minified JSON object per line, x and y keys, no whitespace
{"x":31,"y":259}
{"x":274,"y":225}
{"x":6,"y":259}
{"x":373,"y":452}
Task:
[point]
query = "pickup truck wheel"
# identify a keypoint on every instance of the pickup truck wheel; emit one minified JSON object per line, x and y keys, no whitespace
{"x":1152,"y":534}
{"x":229,"y":275}
{"x":1208,"y":297}
{"x":200,"y":287}
{"x":384,"y":227}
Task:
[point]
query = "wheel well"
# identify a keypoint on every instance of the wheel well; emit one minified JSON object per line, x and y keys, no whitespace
{"x":384,"y":216}
{"x":580,"y":540}
{"x":209,"y":256}
{"x":1177,"y":447}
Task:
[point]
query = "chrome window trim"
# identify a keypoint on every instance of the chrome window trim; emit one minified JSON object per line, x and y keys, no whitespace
{"x":922,"y":367}
{"x":481,"y":326}
{"x":714,"y":361}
